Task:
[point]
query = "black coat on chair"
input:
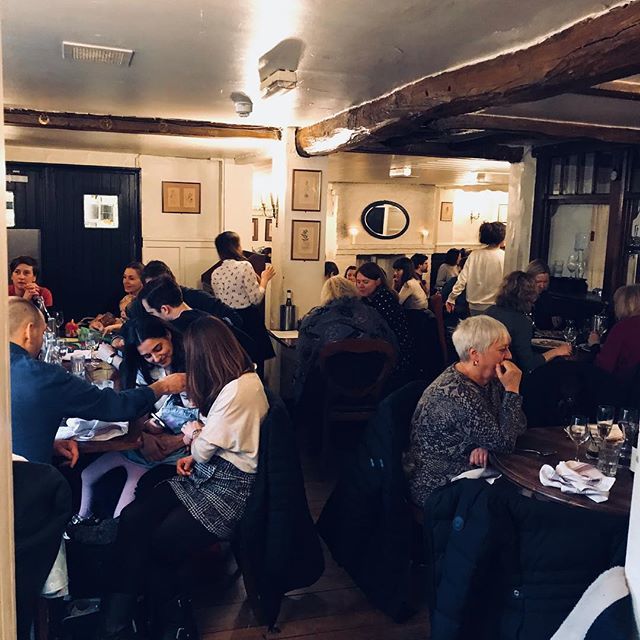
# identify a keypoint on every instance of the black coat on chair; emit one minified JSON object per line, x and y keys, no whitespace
{"x":277,"y":546}
{"x":367,"y":520}
{"x":42,"y":508}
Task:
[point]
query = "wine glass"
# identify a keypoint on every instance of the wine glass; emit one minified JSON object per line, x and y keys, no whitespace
{"x":604,"y":419}
{"x":628,"y":422}
{"x":578,"y":431}
{"x":570,"y":332}
{"x":59,"y":318}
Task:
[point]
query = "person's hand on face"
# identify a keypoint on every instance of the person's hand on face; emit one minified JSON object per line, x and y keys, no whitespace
{"x":509,"y":375}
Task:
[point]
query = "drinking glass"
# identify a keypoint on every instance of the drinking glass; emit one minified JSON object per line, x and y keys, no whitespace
{"x":604,"y":418}
{"x":572,"y":264}
{"x":77,"y":364}
{"x":570,"y":333}
{"x":578,"y":431}
{"x":609,"y":456}
{"x":628,"y":422}
{"x":59,"y":318}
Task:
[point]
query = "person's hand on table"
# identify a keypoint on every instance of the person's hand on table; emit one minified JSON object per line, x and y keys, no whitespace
{"x":67,"y":449}
{"x":173,"y":383}
{"x":562,"y":351}
{"x":479,"y":457}
{"x":184,"y":466}
{"x":31,"y":290}
{"x":509,"y":375}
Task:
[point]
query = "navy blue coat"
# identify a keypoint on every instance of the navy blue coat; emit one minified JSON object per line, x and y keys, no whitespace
{"x":43,"y":394}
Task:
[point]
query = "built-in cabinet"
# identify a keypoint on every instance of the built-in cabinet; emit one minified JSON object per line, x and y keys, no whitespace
{"x":586,"y":220}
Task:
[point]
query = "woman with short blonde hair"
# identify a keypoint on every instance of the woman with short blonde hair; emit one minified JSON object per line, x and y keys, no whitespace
{"x":337,"y":287}
{"x":620,"y":353}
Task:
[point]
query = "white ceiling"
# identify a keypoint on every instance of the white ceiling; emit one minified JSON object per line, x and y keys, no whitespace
{"x":190,"y":55}
{"x":374,"y":168}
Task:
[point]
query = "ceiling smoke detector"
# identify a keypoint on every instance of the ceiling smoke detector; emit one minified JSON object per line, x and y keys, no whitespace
{"x":279,"y":81}
{"x":96,"y":53}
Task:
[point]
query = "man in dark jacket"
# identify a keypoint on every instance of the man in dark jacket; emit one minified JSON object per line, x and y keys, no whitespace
{"x":43,"y":394}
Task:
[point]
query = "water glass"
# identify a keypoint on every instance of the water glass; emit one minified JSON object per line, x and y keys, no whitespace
{"x":557,"y":269}
{"x":578,"y":431}
{"x":77,"y":364}
{"x":609,"y":457}
{"x":570,"y":333}
{"x":604,"y":418}
{"x":628,"y":422}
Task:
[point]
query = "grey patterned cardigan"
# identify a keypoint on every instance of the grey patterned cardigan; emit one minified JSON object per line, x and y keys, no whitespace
{"x":454,"y":416}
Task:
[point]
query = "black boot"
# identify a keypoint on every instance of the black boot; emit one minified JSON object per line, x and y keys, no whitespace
{"x":174,"y":620}
{"x":116,"y":615}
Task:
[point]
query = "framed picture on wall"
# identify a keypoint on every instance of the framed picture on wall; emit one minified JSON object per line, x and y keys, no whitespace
{"x":180,"y":197}
{"x":305,"y":240}
{"x":502,"y":212}
{"x":306,"y":190}
{"x":256,"y":230}
{"x":267,"y":230}
{"x":446,"y":211}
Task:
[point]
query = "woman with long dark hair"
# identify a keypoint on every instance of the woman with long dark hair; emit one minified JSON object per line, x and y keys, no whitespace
{"x":449,"y":268}
{"x":411,"y":295}
{"x":235,"y":282}
{"x":205,"y":502}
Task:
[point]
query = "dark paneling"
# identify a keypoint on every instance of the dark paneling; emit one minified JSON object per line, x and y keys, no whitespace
{"x":82,"y":267}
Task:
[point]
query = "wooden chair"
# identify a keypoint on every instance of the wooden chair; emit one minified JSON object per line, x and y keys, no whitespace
{"x":436,"y":305}
{"x":355,"y":372}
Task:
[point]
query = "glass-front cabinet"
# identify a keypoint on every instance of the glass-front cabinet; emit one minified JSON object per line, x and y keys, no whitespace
{"x":586,"y":221}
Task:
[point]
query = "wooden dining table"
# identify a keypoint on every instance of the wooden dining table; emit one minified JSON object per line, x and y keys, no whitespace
{"x":523,"y":469}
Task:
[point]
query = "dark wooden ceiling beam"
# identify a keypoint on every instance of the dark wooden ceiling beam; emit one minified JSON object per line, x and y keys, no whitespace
{"x":618,"y":89}
{"x":597,"y":49}
{"x":546,"y":127}
{"x":126,"y":124}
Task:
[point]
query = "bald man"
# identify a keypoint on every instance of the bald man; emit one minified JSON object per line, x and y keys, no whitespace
{"x":43,"y":394}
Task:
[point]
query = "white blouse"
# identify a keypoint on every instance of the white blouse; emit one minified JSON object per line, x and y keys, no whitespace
{"x":412,"y":295}
{"x":236,"y":284}
{"x":232,"y":427}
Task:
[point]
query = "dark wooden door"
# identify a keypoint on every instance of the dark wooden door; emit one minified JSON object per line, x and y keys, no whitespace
{"x":82,"y":266}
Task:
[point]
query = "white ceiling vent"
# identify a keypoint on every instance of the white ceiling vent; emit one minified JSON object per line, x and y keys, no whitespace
{"x":96,"y":53}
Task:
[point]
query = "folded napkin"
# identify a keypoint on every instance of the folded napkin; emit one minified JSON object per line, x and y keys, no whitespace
{"x":577,"y":477}
{"x":79,"y":429}
{"x":480,"y":473}
{"x":85,"y":352}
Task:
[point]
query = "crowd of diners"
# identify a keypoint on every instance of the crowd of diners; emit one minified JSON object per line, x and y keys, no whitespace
{"x":195,"y":361}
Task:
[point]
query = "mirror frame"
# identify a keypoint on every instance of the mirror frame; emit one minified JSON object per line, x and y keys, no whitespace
{"x":375,"y":234}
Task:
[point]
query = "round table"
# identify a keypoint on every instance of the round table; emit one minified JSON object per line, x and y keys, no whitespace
{"x":523,"y":469}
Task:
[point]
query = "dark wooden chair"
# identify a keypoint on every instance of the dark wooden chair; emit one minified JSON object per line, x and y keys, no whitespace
{"x":355,"y":373}
{"x":436,"y":306}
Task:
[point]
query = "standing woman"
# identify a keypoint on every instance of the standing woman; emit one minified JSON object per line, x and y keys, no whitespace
{"x":411,"y":295}
{"x":236,"y":284}
{"x":371,"y":282}
{"x":208,"y":498}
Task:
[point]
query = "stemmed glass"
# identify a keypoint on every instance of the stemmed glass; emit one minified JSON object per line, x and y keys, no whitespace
{"x":570,"y":333}
{"x":604,"y":418}
{"x":628,"y":422}
{"x":59,"y":318}
{"x":578,"y":431}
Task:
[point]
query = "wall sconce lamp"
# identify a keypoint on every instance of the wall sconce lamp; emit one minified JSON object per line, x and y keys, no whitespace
{"x":353,"y":232}
{"x":271,"y":209}
{"x":474,"y":216}
{"x":425,"y":234}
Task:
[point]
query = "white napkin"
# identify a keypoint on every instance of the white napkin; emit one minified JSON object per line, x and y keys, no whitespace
{"x":85,"y":352}
{"x":485,"y":473}
{"x":577,"y":477}
{"x":79,"y":429}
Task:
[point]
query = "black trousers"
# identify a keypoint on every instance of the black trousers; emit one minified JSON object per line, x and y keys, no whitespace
{"x":156,"y":535}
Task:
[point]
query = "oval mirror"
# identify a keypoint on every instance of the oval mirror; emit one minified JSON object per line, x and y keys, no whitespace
{"x":385,"y":219}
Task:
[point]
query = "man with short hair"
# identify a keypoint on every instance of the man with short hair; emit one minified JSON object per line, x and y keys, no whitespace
{"x":421,"y":265}
{"x":42,"y":394}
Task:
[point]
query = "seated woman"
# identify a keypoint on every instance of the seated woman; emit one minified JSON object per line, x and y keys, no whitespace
{"x":620,"y":353}
{"x":207,"y":499}
{"x":411,"y":295}
{"x":350,"y":273}
{"x":330,"y":270}
{"x":373,"y":288}
{"x":449,"y":268}
{"x":132,"y":284}
{"x":24,"y":274}
{"x":473,"y":407}
{"x":543,"y":307}
{"x":340,"y":316}
{"x":153,"y":349}
{"x":514,"y":302}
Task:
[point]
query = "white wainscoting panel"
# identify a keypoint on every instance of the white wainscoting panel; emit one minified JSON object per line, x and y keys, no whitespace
{"x":188,"y":259}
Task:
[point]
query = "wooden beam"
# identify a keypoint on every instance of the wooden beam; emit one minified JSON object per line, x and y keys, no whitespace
{"x":126,"y":124}
{"x":437,"y":150}
{"x":618,"y":89}
{"x":594,"y":50}
{"x":546,"y":127}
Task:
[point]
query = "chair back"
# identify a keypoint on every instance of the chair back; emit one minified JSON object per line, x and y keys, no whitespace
{"x":436,"y":306}
{"x":356,"y":368}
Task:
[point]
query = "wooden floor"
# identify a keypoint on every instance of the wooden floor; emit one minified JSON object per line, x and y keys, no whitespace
{"x":331,"y":609}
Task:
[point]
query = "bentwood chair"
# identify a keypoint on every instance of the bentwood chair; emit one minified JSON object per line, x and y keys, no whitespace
{"x":354,"y":373}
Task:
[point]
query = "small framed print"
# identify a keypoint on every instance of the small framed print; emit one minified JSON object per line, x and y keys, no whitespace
{"x":256,"y":230}
{"x":446,"y":211}
{"x":306,"y":190}
{"x":305,"y":240}
{"x":503,"y":210}
{"x":180,"y":197}
{"x":267,"y":230}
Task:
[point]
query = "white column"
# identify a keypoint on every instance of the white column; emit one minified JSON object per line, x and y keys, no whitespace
{"x":304,"y":278}
{"x":7,"y":588}
{"x":632,"y":564}
{"x":522,"y":182}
